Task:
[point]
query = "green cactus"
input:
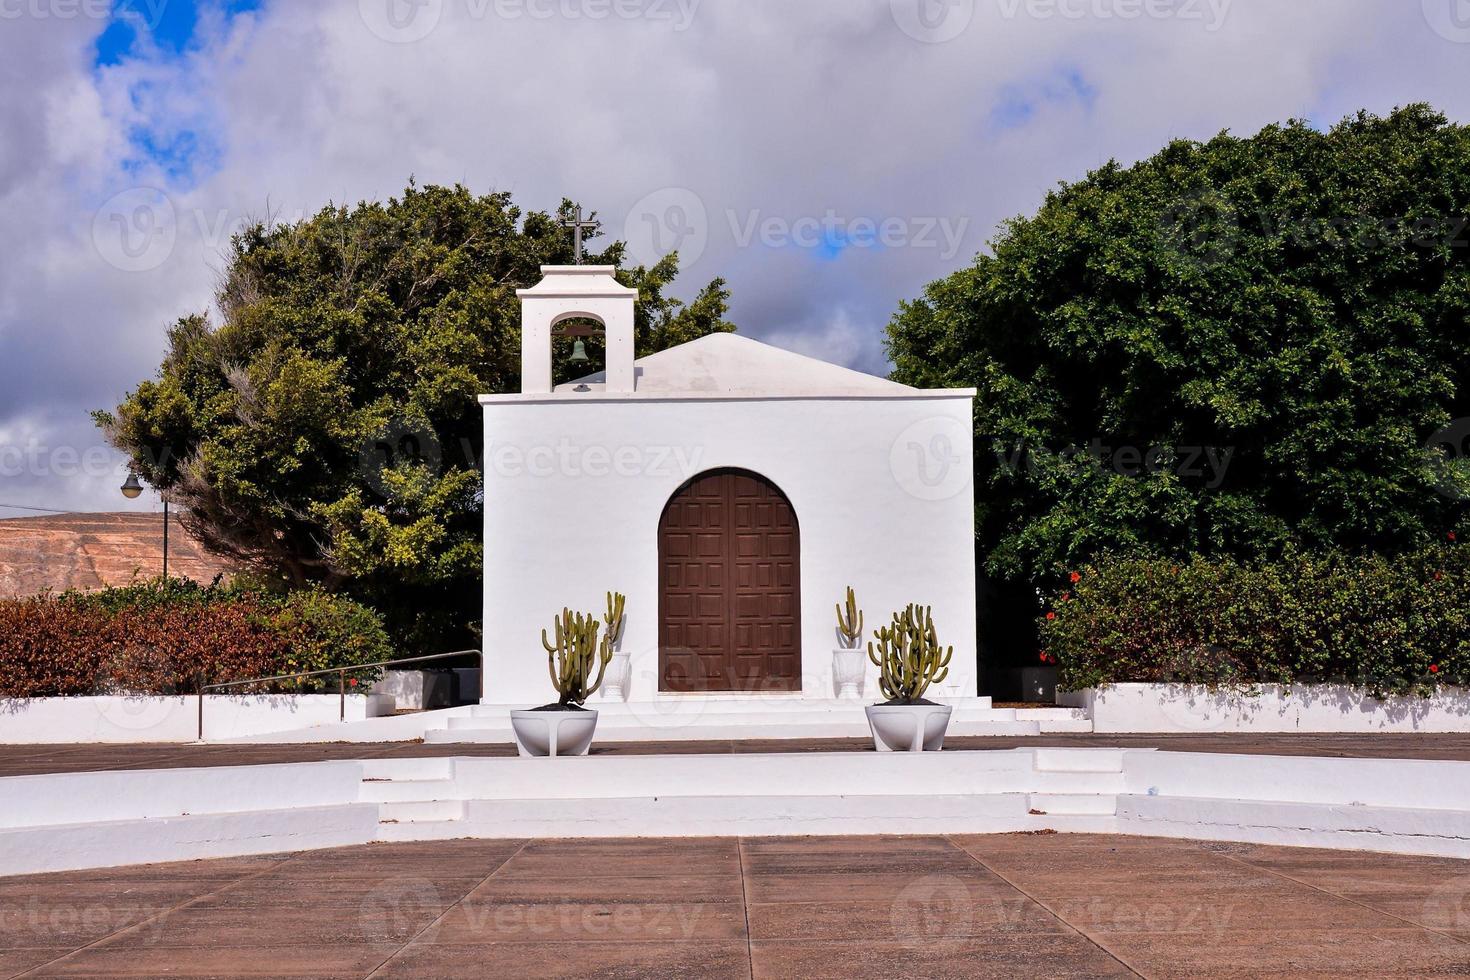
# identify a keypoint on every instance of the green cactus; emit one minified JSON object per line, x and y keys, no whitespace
{"x":614,"y":616}
{"x":850,"y":622}
{"x":575,"y":655}
{"x":909,"y":656}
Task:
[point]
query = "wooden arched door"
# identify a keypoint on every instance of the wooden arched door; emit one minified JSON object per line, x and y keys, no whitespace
{"x":729,"y":586}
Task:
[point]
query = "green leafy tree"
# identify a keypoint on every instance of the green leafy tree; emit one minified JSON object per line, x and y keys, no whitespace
{"x":325,"y":429}
{"x":1295,"y":301}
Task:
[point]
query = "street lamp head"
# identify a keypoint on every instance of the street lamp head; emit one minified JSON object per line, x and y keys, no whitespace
{"x":131,"y":488}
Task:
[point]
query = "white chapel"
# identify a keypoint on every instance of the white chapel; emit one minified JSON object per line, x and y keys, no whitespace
{"x":732,"y":491}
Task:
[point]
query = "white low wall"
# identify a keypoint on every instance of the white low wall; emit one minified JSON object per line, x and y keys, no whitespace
{"x":120,"y":719}
{"x":101,"y":819}
{"x":1181,"y":708}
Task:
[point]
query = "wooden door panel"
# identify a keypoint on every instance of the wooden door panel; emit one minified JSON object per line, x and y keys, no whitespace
{"x":729,"y":603}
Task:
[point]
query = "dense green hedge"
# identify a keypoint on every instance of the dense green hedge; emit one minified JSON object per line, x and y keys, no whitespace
{"x":164,"y":637}
{"x":1397,"y":625}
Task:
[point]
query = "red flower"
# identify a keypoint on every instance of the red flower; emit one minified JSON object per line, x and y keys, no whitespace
{"x":352,"y":682}
{"x":1076,"y":577}
{"x":1451,"y":535}
{"x":1051,"y":615}
{"x":1434,"y":668}
{"x":1066,"y":597}
{"x":1043,"y":656}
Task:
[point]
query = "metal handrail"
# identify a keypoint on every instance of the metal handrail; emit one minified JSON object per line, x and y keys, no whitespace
{"x":341,"y":673}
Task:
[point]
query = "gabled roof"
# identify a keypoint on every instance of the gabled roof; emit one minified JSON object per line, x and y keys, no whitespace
{"x":728,"y":364}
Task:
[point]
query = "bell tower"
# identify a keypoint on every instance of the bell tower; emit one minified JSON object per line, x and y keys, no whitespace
{"x":568,"y":292}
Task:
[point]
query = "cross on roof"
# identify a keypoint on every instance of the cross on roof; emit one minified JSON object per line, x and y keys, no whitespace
{"x":577,"y":224}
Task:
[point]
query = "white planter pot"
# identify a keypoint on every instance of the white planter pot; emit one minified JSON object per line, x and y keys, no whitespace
{"x":615,"y":681}
{"x":849,"y":667}
{"x":908,"y":727}
{"x":553,"y":732}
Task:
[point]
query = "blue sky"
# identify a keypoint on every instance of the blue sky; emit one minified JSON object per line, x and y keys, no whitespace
{"x":171,"y":23}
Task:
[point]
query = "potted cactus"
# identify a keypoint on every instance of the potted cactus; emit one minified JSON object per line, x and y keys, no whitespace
{"x":615,"y":687}
{"x":565,"y":727}
{"x":849,"y":663}
{"x":909,"y":659}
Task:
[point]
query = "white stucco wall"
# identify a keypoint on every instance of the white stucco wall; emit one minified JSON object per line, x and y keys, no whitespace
{"x":574,"y":490}
{"x":175,"y":718}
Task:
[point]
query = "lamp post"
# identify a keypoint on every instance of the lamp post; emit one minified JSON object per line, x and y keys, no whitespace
{"x":131,"y":488}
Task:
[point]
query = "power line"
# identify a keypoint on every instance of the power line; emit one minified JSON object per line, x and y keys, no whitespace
{"x":40,"y":510}
{"x":109,"y":513}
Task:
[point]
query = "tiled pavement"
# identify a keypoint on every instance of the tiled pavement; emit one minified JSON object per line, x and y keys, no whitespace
{"x":20,"y":760}
{"x":1002,"y":906}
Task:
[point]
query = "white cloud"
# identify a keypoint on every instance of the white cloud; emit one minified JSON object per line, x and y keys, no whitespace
{"x":761,"y":107}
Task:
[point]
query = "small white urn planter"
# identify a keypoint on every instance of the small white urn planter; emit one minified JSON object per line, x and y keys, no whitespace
{"x":849,"y":667}
{"x":551,"y":733}
{"x":619,"y":674}
{"x":908,"y":727}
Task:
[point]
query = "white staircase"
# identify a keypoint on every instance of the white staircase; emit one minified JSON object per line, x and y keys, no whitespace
{"x":1080,"y":786}
{"x":689,"y":719}
{"x":417,"y":798}
{"x":833,"y":792}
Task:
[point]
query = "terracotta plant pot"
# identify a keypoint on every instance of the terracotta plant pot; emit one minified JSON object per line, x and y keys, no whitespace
{"x":550,"y":733}
{"x":908,"y":727}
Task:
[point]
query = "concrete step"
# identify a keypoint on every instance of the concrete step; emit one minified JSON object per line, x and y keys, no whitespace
{"x":1074,"y":783}
{"x":730,"y":727}
{"x":391,"y":769}
{"x":397,"y":790}
{"x":856,"y":720}
{"x":415,"y":830}
{"x":1079,"y":760}
{"x":678,"y":816}
{"x":420,"y":811}
{"x":1073,"y":804}
{"x":1063,"y":726}
{"x":765,"y":706}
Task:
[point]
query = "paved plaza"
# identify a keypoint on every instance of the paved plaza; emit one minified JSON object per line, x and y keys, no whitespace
{"x":995,"y":906}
